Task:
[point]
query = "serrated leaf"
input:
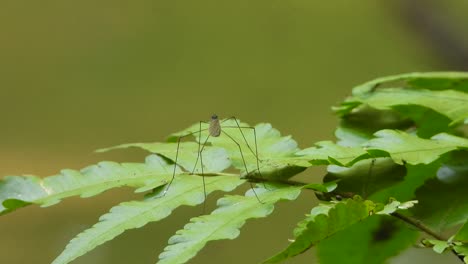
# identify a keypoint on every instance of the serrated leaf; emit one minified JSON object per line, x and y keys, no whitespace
{"x":224,"y":222}
{"x":17,"y":191}
{"x":185,"y":190}
{"x":371,"y":241}
{"x":425,"y":80}
{"x":215,"y":159}
{"x":406,"y":148}
{"x":328,"y":152}
{"x":275,"y":152}
{"x":453,"y":104}
{"x":321,"y":226}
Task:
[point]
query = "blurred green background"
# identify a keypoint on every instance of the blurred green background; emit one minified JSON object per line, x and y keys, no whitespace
{"x":80,"y":75}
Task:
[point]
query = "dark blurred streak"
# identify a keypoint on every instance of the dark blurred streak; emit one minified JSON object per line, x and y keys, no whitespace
{"x":385,"y":230}
{"x":442,"y":35}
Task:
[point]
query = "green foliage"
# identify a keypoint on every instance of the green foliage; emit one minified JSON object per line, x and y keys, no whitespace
{"x":329,"y":220}
{"x":224,"y":222}
{"x":18,"y":191}
{"x":400,"y":138}
{"x":371,"y":241}
{"x":186,"y":190}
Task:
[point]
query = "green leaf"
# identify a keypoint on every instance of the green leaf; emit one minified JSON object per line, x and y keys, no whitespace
{"x":215,"y":159}
{"x":275,"y":153}
{"x":371,"y":241}
{"x":224,"y":222}
{"x":406,"y":148}
{"x":428,"y":80}
{"x":462,"y":234}
{"x":443,"y":202}
{"x":463,"y":251}
{"x":439,"y":246}
{"x":366,"y":176}
{"x":185,"y":190}
{"x":451,"y":103}
{"x":428,"y":122}
{"x":328,"y":152}
{"x":423,"y":80}
{"x":319,"y":225}
{"x":404,"y":190}
{"x":16,"y":191}
{"x":322,"y":187}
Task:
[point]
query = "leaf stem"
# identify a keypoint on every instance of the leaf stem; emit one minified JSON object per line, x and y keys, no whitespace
{"x":421,"y":226}
{"x":418,"y":224}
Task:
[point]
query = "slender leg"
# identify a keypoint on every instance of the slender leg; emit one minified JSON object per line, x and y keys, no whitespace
{"x":256,"y":146}
{"x":245,"y":164}
{"x":202,"y":172}
{"x":176,"y":158}
{"x":199,"y":144}
{"x":242,"y":133}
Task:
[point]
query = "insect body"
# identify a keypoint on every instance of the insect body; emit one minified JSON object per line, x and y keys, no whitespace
{"x":215,"y":126}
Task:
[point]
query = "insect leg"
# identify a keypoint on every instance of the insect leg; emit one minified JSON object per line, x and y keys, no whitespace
{"x":245,"y":164}
{"x":176,"y":158}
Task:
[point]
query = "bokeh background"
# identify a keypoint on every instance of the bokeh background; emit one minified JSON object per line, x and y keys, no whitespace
{"x":80,"y":75}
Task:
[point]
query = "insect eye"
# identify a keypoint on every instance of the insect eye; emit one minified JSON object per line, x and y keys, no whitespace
{"x":214,"y":116}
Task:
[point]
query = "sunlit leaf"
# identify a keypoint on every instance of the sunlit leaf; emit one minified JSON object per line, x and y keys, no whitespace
{"x":16,"y":191}
{"x":406,"y":148}
{"x":224,"y":222}
{"x":185,"y":190}
{"x":215,"y":159}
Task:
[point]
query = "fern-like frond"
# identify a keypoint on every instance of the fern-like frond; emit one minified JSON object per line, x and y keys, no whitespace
{"x":185,"y":190}
{"x":275,"y":152}
{"x":215,"y":159}
{"x":328,"y":219}
{"x":224,"y":222}
{"x":18,"y":191}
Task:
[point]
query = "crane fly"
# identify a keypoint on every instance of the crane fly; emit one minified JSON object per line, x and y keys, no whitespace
{"x":215,"y":129}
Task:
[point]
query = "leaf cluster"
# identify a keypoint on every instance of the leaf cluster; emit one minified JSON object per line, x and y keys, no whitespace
{"x":398,"y":169}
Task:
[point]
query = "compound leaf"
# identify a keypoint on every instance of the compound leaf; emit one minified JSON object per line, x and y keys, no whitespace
{"x":224,"y":222}
{"x":330,"y":219}
{"x":17,"y":191}
{"x":215,"y":159}
{"x":185,"y":190}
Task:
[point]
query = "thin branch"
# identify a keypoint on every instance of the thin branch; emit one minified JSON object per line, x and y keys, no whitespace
{"x":419,"y":225}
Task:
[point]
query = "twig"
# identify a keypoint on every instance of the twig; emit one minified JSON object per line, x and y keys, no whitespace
{"x":419,"y":225}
